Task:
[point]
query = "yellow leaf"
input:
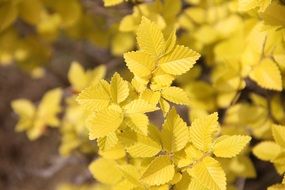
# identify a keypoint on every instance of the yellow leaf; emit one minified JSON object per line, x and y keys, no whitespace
{"x":187,"y":156}
{"x":276,"y":187}
{"x":202,"y":131}
{"x":96,"y":74}
{"x":179,"y":61}
{"x":105,"y":171}
{"x":122,"y":42}
{"x":139,"y":106}
{"x":114,"y":153}
{"x":184,"y":183}
{"x":70,"y":11}
{"x":208,"y":34}
{"x":26,"y":111}
{"x":119,"y":88}
{"x":130,"y":173}
{"x":124,"y":185}
{"x":161,"y":187}
{"x":209,"y":173}
{"x":139,"y":84}
{"x":8,"y":14}
{"x":29,"y":11}
{"x":103,"y":123}
{"x":194,"y":184}
{"x":159,"y":171}
{"x":138,"y":145}
{"x":275,"y":14}
{"x":171,"y":9}
{"x":138,"y":122}
{"x":174,"y":132}
{"x":161,"y":80}
{"x":35,"y":121}
{"x":230,"y":146}
{"x":266,"y":150}
{"x":36,"y":131}
{"x":154,"y":133}
{"x":176,"y":178}
{"x":108,"y":141}
{"x":175,"y":95}
{"x":77,"y":76}
{"x":130,"y":23}
{"x":49,"y":24}
{"x":246,"y":5}
{"x":170,"y":42}
{"x":242,"y":166}
{"x":96,"y":97}
{"x":278,"y":132}
{"x":267,"y":75}
{"x":164,"y":106}
{"x":150,"y":96}
{"x":280,"y":168}
{"x":108,"y":3}
{"x":144,"y":147}
{"x":150,"y":38}
{"x":276,"y":108}
{"x":139,"y":63}
{"x":49,"y":107}
{"x":69,"y":143}
{"x":279,"y":163}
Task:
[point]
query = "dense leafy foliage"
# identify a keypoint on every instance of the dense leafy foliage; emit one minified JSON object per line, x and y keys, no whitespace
{"x":211,"y":103}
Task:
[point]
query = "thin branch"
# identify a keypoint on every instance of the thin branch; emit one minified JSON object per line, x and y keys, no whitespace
{"x":57,"y":164}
